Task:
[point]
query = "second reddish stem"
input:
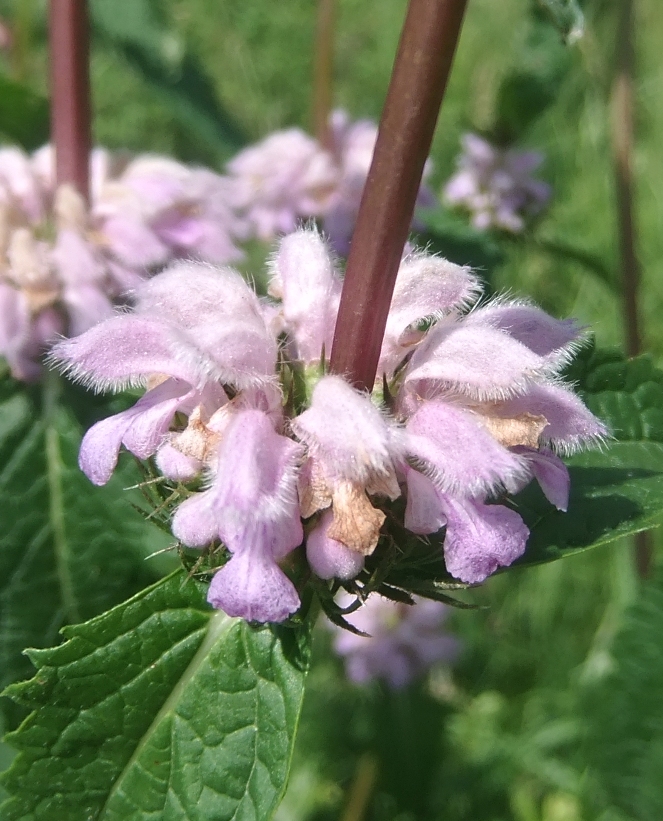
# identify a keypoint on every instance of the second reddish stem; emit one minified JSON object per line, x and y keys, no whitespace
{"x":69,"y":40}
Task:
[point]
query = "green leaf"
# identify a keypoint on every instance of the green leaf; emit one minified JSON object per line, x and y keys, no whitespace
{"x":6,"y":757}
{"x":68,"y":550}
{"x":135,"y":30}
{"x":567,"y":16}
{"x":159,"y":709}
{"x":614,"y":493}
{"x":564,"y":252}
{"x":24,"y":115}
{"x":623,"y":713}
{"x":532,"y":85}
{"x":616,"y":490}
{"x":626,"y":393}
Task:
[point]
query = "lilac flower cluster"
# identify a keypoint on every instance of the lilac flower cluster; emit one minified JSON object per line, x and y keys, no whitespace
{"x":64,"y":264}
{"x":289,"y":177}
{"x":496,"y":185}
{"x":289,"y":455}
{"x":402,"y":641}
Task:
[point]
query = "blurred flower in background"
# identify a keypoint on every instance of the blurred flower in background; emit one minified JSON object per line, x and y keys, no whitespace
{"x":496,"y":185}
{"x":285,"y":177}
{"x":403,"y":641}
{"x":64,"y":264}
{"x":290,"y":177}
{"x":6,"y":36}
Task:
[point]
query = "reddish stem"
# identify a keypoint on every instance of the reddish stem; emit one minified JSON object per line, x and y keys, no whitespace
{"x":418,"y":81}
{"x":69,"y":38}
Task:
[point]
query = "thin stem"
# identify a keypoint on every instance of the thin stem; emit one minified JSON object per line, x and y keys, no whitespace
{"x":323,"y":77}
{"x":69,"y":39}
{"x":361,"y":788}
{"x":55,"y":473}
{"x":623,"y":128}
{"x":622,"y":145}
{"x":418,"y":81}
{"x":22,"y":38}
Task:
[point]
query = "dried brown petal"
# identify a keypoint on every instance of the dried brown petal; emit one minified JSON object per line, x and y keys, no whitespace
{"x":384,"y":484}
{"x":356,"y":522}
{"x":524,"y":429}
{"x":40,"y":298}
{"x":314,"y":494}
{"x":196,"y":440}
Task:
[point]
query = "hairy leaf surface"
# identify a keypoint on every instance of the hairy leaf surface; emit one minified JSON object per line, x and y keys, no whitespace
{"x":159,"y":709}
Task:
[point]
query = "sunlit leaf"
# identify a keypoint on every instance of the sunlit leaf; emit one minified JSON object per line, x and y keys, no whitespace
{"x":160,"y":708}
{"x":615,"y":490}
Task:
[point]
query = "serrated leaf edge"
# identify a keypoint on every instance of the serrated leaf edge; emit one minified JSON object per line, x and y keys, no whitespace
{"x":39,"y":656}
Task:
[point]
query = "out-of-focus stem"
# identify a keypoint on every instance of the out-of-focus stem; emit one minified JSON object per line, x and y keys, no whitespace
{"x":623,"y":128}
{"x":21,"y":39}
{"x":622,"y":146}
{"x":323,"y":74}
{"x":418,"y":81}
{"x":361,"y":788}
{"x":69,"y":40}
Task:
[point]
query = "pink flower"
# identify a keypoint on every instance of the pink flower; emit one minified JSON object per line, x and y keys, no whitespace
{"x":482,"y":402}
{"x":176,"y":333}
{"x":158,"y":209}
{"x":427,"y":288}
{"x":288,"y":178}
{"x":57,"y":286}
{"x":24,"y":337}
{"x":496,"y":185}
{"x":141,"y":216}
{"x":305,"y":279}
{"x":252,"y":506}
{"x":196,"y":334}
{"x":284,"y":178}
{"x":479,"y":537}
{"x":289,"y":454}
{"x":351,"y":450}
{"x":20,"y":189}
{"x":328,"y":557}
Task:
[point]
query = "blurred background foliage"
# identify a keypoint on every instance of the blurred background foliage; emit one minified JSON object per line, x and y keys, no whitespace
{"x":554,"y":711}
